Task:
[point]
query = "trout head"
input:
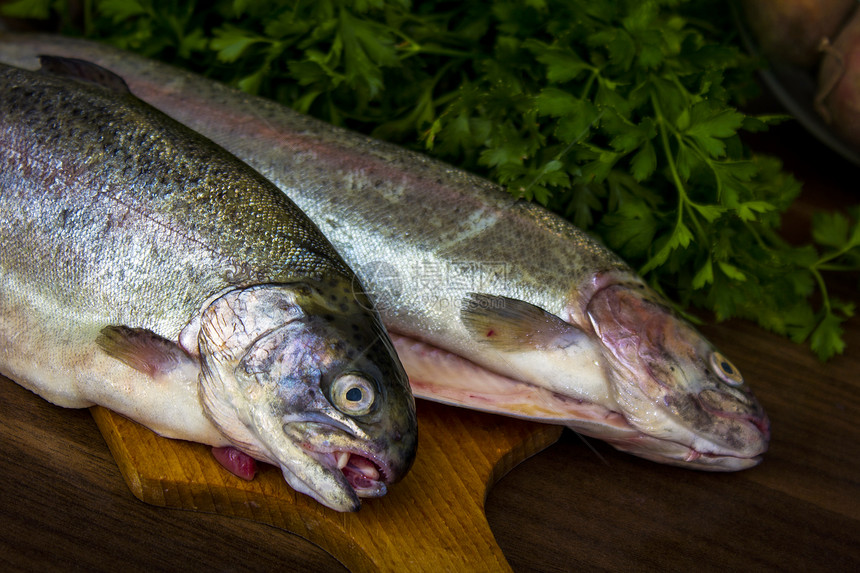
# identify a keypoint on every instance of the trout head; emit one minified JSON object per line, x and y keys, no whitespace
{"x":690,"y":403}
{"x":308,"y":382}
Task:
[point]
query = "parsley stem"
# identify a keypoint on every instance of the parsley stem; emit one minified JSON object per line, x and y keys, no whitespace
{"x":412,"y":48}
{"x":840,"y":268}
{"x":821,"y":264}
{"x":835,"y":254}
{"x":758,"y":238}
{"x":417,"y":49}
{"x":703,"y":236}
{"x":664,"y":136}
{"x":821,"y":285}
{"x":594,"y":73}
{"x":670,"y":158}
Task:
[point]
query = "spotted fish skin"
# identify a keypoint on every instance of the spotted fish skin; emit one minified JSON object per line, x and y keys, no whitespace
{"x":145,"y":269}
{"x":492,"y":303}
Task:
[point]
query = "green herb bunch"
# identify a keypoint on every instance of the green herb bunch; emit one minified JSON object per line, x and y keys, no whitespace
{"x":619,"y":114}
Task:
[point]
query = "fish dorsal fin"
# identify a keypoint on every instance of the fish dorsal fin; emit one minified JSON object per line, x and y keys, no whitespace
{"x":141,"y":349}
{"x":83,"y":70}
{"x":510,"y":324}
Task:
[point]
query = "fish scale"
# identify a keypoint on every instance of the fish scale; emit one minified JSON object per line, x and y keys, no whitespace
{"x":286,"y":249}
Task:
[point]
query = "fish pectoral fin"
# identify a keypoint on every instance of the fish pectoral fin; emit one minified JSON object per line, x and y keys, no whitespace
{"x":142,"y":349}
{"x":82,"y":70}
{"x":441,"y":376}
{"x":511,"y":324}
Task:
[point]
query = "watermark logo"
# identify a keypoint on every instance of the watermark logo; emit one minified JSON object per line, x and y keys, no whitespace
{"x":429,"y":284}
{"x":381,"y":282}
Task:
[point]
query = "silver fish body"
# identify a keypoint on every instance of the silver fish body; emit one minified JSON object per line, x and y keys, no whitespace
{"x":492,"y":303}
{"x":145,"y":269}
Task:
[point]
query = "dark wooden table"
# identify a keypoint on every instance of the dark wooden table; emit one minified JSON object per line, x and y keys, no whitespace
{"x":64,"y":505}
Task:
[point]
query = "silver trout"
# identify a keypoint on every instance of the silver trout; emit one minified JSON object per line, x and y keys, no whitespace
{"x":145,"y":269}
{"x":492,"y":303}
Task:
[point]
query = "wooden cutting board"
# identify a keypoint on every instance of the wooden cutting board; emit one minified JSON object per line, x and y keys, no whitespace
{"x":433,"y":520}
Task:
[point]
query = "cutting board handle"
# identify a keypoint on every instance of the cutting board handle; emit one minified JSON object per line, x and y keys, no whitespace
{"x":432,"y":520}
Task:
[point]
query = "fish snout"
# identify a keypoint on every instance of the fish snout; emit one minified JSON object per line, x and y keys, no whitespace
{"x":744,"y":423}
{"x":368,"y":467}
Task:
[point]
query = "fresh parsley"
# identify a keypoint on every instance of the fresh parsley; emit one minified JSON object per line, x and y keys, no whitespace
{"x":622,"y":115}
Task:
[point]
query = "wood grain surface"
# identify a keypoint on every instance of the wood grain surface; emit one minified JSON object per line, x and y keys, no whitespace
{"x":433,"y":520}
{"x":574,"y":506}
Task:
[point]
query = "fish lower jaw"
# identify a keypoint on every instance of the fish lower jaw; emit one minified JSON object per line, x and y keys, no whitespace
{"x":713,"y":462}
{"x":682,"y":455}
{"x":719,"y":462}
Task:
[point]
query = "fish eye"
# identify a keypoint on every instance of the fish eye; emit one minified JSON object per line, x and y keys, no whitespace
{"x":727,"y":372}
{"x":353,"y":395}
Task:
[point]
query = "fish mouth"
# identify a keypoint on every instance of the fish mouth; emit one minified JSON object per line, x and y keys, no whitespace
{"x":367,"y":475}
{"x":355,"y":464}
{"x":693,"y":459}
{"x":695,"y":456}
{"x":717,"y":462}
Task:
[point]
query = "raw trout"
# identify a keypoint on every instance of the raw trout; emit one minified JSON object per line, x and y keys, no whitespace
{"x":492,"y":303}
{"x":145,"y":269}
